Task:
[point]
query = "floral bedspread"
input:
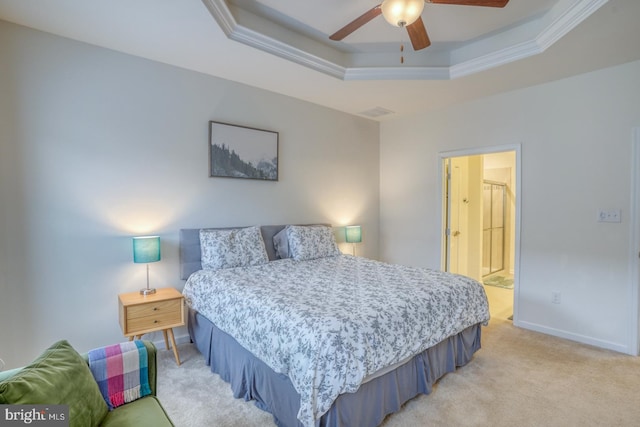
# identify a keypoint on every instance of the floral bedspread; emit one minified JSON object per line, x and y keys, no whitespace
{"x":328,"y":323}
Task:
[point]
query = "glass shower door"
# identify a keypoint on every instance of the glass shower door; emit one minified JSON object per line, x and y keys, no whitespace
{"x":493,"y":218}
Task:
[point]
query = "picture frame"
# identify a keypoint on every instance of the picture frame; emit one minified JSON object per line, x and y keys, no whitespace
{"x":242,"y":152}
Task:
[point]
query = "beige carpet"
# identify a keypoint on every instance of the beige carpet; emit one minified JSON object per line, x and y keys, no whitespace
{"x":519,"y":378}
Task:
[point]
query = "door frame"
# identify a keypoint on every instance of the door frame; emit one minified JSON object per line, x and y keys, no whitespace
{"x":454,"y":208}
{"x":634,"y":246}
{"x":517,"y":148}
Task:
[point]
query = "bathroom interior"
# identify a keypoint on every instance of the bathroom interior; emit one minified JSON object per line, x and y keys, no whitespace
{"x":479,"y":208}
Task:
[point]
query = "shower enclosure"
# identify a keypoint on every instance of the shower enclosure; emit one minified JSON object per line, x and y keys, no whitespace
{"x":493,"y":233}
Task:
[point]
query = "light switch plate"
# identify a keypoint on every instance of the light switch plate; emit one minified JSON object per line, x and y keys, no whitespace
{"x":609,"y":215}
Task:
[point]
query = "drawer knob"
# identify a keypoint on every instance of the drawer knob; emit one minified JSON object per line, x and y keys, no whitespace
{"x":155,"y":321}
{"x":155,"y":308}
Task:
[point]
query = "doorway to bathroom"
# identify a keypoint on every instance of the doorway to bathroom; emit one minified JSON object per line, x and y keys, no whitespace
{"x":480,"y":222}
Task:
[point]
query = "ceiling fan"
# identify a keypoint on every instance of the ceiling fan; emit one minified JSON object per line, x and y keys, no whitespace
{"x":407,"y":13}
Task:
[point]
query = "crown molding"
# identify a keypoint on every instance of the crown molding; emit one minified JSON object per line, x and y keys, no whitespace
{"x":267,"y":44}
{"x":221,"y":13}
{"x":473,"y":58}
{"x":567,"y":21}
{"x":495,"y":59}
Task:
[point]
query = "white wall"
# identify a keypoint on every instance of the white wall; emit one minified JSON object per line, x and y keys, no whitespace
{"x":575,"y":136}
{"x":98,"y":146}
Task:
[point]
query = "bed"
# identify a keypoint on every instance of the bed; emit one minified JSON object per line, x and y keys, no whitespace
{"x":319,"y":338}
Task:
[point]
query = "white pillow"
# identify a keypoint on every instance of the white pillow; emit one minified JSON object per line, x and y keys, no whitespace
{"x":311,"y":241}
{"x":238,"y":247}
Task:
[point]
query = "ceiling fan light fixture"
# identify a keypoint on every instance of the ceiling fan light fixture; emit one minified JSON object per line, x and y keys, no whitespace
{"x":401,"y":13}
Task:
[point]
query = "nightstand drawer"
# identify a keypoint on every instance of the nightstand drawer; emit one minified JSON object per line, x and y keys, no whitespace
{"x":156,"y":309}
{"x":161,"y":320}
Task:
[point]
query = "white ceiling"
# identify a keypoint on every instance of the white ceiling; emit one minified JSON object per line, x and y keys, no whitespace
{"x":186,"y":34}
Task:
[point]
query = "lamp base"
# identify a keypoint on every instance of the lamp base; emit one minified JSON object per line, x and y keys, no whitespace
{"x":147,"y":291}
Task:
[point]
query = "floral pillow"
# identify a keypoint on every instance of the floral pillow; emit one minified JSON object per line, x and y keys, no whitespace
{"x":310,"y":242}
{"x":239,"y":247}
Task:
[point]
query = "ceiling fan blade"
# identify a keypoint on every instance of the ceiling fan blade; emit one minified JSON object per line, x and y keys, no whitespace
{"x":418,"y":35}
{"x":486,"y":3}
{"x":356,"y":23}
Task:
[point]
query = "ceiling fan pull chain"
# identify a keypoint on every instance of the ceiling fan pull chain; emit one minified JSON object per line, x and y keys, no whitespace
{"x":402,"y":47}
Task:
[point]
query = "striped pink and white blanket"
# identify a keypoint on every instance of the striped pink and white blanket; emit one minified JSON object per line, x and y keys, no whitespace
{"x":121,"y":371}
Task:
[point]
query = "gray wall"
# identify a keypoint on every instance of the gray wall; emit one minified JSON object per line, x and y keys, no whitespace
{"x":576,"y":144}
{"x":97,"y":146}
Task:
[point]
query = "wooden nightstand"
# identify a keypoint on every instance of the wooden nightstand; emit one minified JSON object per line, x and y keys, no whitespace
{"x":162,"y":311}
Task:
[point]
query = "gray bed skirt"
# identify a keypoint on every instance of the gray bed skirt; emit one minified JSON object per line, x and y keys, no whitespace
{"x":252,"y":379}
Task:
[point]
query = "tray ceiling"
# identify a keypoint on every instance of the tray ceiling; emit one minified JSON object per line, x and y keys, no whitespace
{"x":465,"y":39}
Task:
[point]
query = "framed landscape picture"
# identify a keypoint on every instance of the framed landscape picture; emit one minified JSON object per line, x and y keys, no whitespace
{"x":242,"y":152}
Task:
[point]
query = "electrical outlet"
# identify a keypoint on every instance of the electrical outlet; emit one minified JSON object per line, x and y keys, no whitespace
{"x":609,"y":215}
{"x":556,"y":297}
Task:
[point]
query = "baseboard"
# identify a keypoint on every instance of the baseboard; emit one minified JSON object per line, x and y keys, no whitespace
{"x":583,"y":339}
{"x":183,"y":339}
{"x":157,"y":338}
{"x":180,"y":339}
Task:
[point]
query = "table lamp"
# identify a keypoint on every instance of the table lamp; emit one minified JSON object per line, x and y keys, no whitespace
{"x":146,"y":249}
{"x":353,"y":234}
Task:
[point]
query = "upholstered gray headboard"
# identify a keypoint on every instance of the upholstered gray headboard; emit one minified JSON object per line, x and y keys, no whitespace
{"x":190,"y":247}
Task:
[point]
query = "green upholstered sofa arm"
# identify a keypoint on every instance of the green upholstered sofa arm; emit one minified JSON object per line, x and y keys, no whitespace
{"x":8,"y":373}
{"x":143,"y":412}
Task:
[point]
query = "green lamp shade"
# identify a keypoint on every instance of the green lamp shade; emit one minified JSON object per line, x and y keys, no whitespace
{"x":353,"y":234}
{"x":146,"y":249}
